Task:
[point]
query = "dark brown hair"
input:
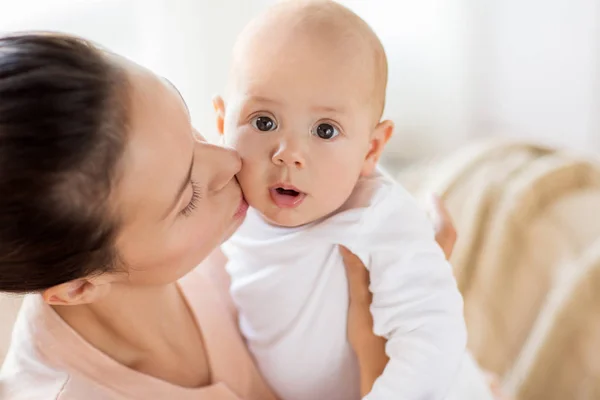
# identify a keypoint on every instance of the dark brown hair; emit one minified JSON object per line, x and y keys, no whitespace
{"x":62,"y":133}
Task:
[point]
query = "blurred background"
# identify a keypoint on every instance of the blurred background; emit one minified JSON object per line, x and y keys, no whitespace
{"x":459,"y":69}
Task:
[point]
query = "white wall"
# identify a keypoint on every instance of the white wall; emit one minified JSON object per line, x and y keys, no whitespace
{"x":113,"y":23}
{"x":191,"y":43}
{"x":428,"y":44}
{"x":540,"y":71}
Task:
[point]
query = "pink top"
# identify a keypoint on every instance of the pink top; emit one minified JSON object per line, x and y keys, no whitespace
{"x":49,"y":361}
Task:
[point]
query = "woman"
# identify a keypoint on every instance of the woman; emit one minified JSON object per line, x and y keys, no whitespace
{"x":109,"y":201}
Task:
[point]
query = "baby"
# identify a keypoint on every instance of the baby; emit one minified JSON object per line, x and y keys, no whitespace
{"x":304,"y":106}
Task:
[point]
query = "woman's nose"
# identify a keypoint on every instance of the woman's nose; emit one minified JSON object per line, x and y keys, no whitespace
{"x":223,"y":162}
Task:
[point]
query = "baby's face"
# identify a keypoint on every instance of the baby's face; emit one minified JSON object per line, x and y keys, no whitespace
{"x":301,"y":118}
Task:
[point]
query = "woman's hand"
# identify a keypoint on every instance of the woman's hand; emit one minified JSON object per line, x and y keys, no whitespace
{"x":370,"y":348}
{"x":445,"y":233}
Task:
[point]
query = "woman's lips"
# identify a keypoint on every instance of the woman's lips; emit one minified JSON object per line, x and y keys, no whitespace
{"x":242,"y":209}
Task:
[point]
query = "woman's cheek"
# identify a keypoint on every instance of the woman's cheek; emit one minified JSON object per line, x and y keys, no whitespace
{"x":253,"y":149}
{"x":198,"y":227}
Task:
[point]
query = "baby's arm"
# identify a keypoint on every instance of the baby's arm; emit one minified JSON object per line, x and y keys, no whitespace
{"x":416,"y":304}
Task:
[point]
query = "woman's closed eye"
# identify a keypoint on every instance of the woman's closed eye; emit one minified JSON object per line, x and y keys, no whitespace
{"x":193,"y":203}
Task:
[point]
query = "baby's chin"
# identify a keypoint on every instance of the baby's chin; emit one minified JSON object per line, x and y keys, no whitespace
{"x":309,"y":211}
{"x":287,"y":218}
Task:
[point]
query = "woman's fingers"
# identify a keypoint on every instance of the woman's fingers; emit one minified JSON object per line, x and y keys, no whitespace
{"x":358,"y":277}
{"x":369,"y":348}
{"x":360,"y":320}
{"x":445,"y":233}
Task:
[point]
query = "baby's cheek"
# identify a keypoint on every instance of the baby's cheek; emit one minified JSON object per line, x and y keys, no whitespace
{"x":339,"y":177}
{"x":230,"y":138}
{"x":255,"y":159}
{"x":244,"y":140}
{"x":251,"y":182}
{"x":337,"y":189}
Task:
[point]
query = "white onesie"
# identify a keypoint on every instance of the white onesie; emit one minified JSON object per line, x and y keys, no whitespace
{"x":290,"y":287}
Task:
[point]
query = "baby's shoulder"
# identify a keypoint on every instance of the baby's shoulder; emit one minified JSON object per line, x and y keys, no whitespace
{"x":26,"y":376}
{"x":386,"y":212}
{"x":378,"y":192}
{"x":378,"y":211}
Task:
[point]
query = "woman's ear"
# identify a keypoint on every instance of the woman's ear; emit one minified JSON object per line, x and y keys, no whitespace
{"x":79,"y":291}
{"x":219,"y":106}
{"x":379,"y":137}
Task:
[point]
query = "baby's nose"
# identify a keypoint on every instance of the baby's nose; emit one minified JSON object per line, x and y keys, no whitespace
{"x":289,"y":154}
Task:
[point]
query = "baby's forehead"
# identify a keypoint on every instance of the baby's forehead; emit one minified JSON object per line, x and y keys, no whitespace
{"x":332,"y":76}
{"x":301,"y":37}
{"x":324,"y":23}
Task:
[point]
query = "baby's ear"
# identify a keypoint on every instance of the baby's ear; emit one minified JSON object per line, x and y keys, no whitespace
{"x":219,"y":106}
{"x":379,"y":137}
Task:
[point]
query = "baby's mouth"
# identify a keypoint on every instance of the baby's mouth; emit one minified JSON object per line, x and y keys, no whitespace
{"x":287,"y":196}
{"x":287,"y":192}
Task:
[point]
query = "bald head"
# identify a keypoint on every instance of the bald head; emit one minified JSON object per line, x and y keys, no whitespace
{"x":316,"y":29}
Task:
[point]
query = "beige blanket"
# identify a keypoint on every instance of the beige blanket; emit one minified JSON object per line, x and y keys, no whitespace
{"x":527,"y":262}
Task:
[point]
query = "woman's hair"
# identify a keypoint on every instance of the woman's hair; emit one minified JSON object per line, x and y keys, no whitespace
{"x":63,"y":120}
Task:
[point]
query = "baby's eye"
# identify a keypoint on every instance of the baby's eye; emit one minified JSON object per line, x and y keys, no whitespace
{"x":325,"y":131}
{"x":264,"y":123}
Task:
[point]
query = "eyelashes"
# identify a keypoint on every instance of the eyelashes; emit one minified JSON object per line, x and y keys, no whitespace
{"x":193,"y":204}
